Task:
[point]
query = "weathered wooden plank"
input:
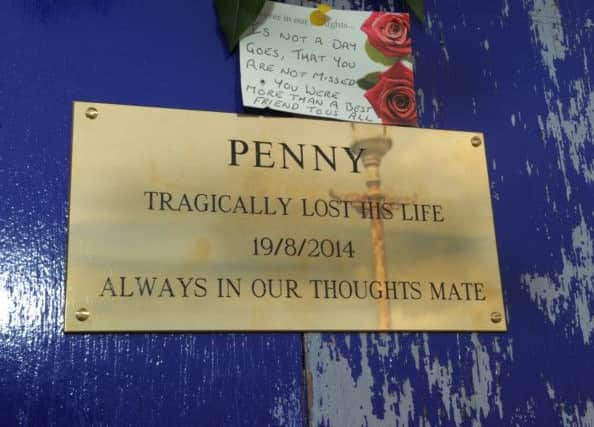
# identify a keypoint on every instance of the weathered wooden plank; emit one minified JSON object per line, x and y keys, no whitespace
{"x":519,"y":71}
{"x":151,"y":53}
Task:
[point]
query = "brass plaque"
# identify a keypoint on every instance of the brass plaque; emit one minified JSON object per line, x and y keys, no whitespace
{"x":201,"y":221}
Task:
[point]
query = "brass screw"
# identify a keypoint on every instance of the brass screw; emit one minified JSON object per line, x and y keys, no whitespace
{"x":476,"y":141}
{"x":82,"y":314}
{"x":496,"y":317}
{"x":92,"y":113}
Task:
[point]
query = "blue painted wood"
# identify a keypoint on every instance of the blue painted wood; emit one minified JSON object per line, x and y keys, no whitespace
{"x":520,"y":72}
{"x":130,"y":52}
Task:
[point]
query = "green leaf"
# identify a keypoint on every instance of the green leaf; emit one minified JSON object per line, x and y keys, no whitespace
{"x":235,"y":16}
{"x":369,"y":80}
{"x":376,"y":56}
{"x":418,"y":8}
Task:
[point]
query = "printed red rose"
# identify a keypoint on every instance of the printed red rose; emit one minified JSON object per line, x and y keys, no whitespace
{"x":389,"y":33}
{"x":393,"y":96}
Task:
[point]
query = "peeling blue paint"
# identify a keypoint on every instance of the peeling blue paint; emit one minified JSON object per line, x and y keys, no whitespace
{"x":519,"y":72}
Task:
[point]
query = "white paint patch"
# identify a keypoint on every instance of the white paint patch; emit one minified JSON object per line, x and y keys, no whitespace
{"x":571,"y":292}
{"x":406,"y":407}
{"x":550,"y":391}
{"x":570,"y":118}
{"x":287,"y":410}
{"x":553,"y":129}
{"x":440,"y":377}
{"x":587,"y":420}
{"x":414,"y":350}
{"x":570,"y":414}
{"x":342,"y":401}
{"x":482,"y":379}
{"x":435,"y":105}
{"x":445,"y":53}
{"x":510,"y":343}
{"x":505,"y":10}
{"x":542,"y":128}
{"x":476,"y":400}
{"x":420,"y":102}
{"x":524,"y":415}
{"x":571,"y":124}
{"x":5,"y":302}
{"x":336,"y":397}
{"x":576,"y":123}
{"x":547,"y":31}
{"x":428,"y":21}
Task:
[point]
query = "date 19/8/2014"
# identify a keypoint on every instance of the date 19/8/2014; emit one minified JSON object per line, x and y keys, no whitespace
{"x":308,"y":247}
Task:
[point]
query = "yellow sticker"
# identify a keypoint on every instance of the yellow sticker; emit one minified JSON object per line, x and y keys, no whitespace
{"x":317,"y":18}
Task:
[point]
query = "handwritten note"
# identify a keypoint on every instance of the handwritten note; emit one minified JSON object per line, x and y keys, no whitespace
{"x":355,"y":67}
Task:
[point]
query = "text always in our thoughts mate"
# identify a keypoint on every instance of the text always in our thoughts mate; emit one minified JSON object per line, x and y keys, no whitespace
{"x":275,"y":288}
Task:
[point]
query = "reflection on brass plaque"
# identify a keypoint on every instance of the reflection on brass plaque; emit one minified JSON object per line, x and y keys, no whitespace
{"x":200,"y":221}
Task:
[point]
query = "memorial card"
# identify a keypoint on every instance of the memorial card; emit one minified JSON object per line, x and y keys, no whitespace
{"x":357,"y":66}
